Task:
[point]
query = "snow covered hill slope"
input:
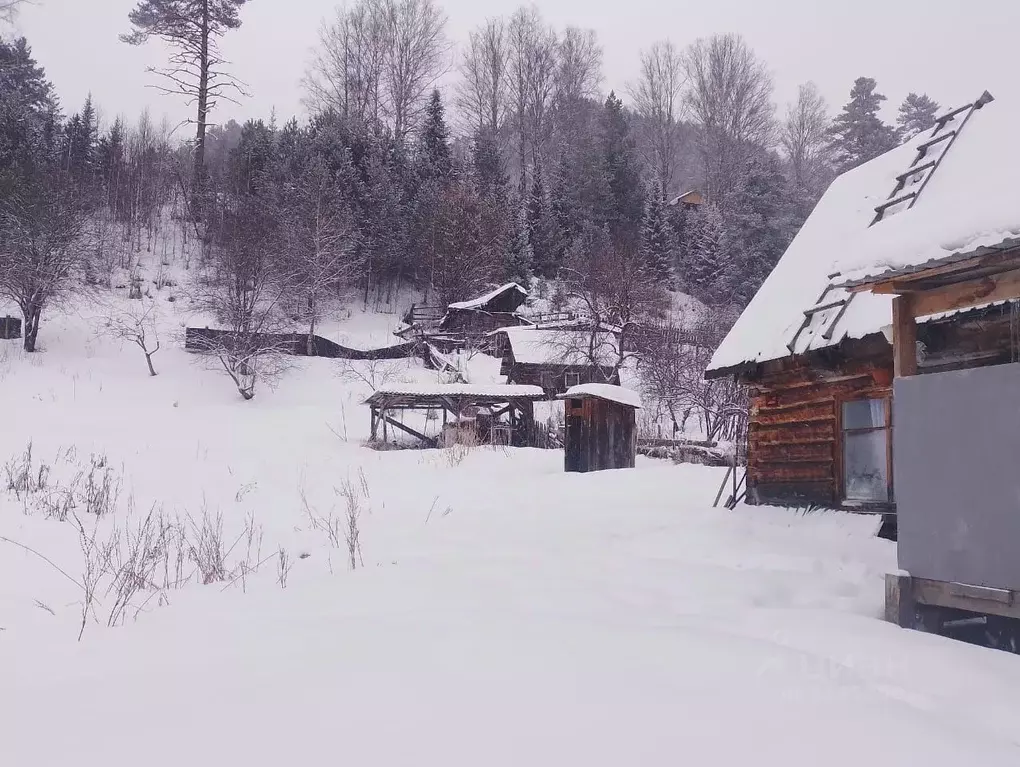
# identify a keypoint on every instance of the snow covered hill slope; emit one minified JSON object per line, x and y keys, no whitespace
{"x":500,"y":611}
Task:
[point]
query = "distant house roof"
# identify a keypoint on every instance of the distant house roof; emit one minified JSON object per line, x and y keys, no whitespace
{"x":971,"y":201}
{"x":607,"y":392}
{"x":514,"y":294}
{"x":690,"y":197}
{"x":531,"y":346}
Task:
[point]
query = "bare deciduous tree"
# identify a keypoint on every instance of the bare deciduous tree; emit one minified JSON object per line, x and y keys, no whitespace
{"x":729,"y":94}
{"x":609,"y":285}
{"x":672,"y":367}
{"x":321,"y":242}
{"x":532,"y":81}
{"x":346,"y":75}
{"x":579,"y":65}
{"x":9,"y":9}
{"x":245,"y":291}
{"x":40,"y":231}
{"x":380,"y":58}
{"x":483,"y":91}
{"x":658,"y":96}
{"x":138,"y":325}
{"x":805,"y":139}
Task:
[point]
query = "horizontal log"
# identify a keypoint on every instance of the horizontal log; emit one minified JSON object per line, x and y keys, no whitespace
{"x":792,"y":472}
{"x":785,"y":453}
{"x":809,"y":413}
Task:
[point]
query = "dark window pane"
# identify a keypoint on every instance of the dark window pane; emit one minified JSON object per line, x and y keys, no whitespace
{"x":866,"y":466}
{"x":864,"y":414}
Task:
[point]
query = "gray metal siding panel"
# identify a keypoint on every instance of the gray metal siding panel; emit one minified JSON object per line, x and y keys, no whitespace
{"x":956,"y":453}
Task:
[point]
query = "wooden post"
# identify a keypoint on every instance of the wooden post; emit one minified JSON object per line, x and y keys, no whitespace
{"x":904,"y":337}
{"x":375,"y":423}
{"x":385,"y":431}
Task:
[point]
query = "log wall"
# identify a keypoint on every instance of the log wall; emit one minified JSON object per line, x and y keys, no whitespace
{"x":794,"y":451}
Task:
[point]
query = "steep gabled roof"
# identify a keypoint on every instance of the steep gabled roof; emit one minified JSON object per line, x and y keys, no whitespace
{"x":482,"y":301}
{"x":972,"y":200}
{"x":531,"y":346}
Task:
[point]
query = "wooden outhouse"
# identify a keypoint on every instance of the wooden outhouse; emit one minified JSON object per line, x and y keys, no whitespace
{"x":600,"y":430}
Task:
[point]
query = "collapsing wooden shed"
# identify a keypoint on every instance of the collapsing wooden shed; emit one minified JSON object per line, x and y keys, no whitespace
{"x":600,"y":428}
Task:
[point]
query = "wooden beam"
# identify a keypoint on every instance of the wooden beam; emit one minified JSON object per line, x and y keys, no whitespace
{"x":963,"y":295}
{"x":976,"y":599}
{"x":904,"y":337}
{"x":396,"y":424}
{"x":901,"y":283}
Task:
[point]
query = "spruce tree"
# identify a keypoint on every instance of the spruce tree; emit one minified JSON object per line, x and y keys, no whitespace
{"x":520,"y":256}
{"x":623,"y":174}
{"x":707,"y":255}
{"x":543,"y":232}
{"x":916,"y":115}
{"x":858,"y":133}
{"x":436,"y":157}
{"x":657,"y":244}
{"x":487,"y":165}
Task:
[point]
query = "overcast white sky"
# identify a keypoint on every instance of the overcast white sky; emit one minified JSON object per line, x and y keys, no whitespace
{"x":950,"y":49}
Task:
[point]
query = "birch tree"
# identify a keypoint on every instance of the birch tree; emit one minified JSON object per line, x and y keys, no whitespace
{"x":484,"y":68}
{"x":659,"y":98}
{"x":729,"y":94}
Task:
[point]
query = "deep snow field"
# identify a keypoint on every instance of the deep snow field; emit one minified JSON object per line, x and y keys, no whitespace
{"x":500,"y":612}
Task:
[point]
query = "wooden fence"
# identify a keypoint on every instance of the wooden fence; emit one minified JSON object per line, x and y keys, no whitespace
{"x":206,"y":339}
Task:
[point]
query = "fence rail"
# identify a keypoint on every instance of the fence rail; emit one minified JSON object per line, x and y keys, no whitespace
{"x":208,"y":339}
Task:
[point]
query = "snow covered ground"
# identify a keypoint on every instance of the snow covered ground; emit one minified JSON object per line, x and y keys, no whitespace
{"x":501,"y":611}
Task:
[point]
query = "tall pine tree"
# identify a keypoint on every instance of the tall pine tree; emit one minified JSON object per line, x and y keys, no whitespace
{"x":623,"y":174}
{"x":858,"y":133}
{"x":435,"y":155}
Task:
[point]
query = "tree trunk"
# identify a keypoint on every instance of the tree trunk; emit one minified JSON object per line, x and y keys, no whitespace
{"x":32,"y":315}
{"x":148,"y":361}
{"x":198,"y":172}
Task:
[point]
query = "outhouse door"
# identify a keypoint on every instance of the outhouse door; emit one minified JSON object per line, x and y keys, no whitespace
{"x":574,"y":448}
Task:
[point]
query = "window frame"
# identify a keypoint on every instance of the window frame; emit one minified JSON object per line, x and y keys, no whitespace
{"x":886,"y":398}
{"x":566,"y":379}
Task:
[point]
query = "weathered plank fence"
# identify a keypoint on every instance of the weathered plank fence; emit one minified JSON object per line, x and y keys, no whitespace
{"x":205,"y":339}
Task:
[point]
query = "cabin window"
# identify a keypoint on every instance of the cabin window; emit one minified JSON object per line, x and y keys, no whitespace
{"x":576,"y":404}
{"x":571,"y":379}
{"x":867,"y":441}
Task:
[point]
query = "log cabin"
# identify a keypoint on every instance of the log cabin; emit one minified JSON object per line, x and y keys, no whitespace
{"x":816,"y":354}
{"x":557,"y":359}
{"x":951,"y":249}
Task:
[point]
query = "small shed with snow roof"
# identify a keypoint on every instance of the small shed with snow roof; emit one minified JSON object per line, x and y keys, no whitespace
{"x":600,"y":431}
{"x":815,"y":352}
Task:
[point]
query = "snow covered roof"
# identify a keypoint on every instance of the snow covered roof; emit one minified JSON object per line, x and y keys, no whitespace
{"x":481,"y":301}
{"x":485,"y":391}
{"x":608,"y":392}
{"x":531,"y":346}
{"x":972,"y":200}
